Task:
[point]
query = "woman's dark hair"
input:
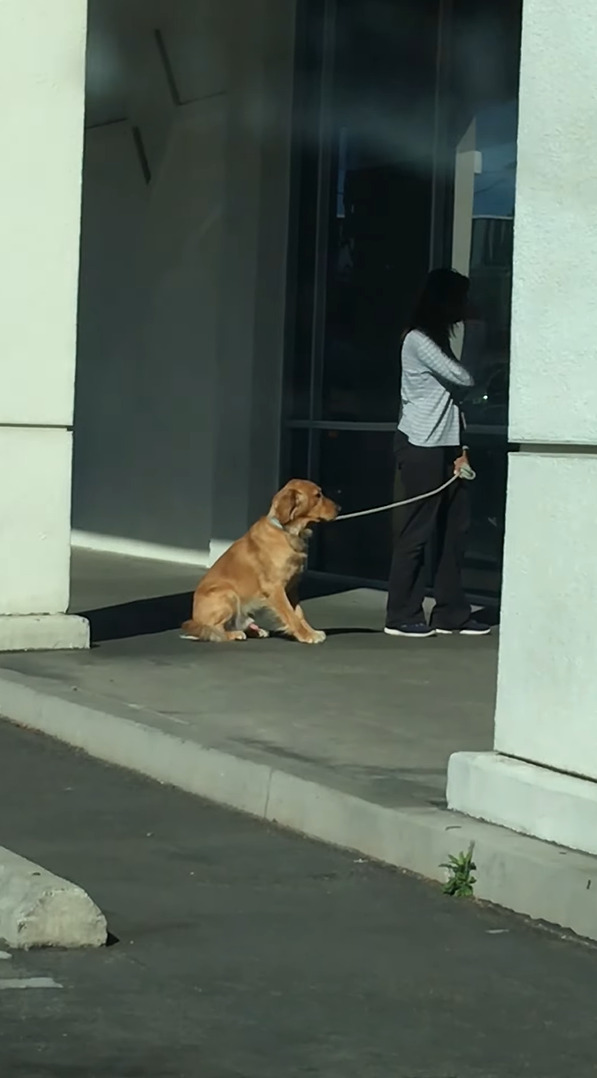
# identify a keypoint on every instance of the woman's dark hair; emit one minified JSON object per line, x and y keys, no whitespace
{"x":441,"y":305}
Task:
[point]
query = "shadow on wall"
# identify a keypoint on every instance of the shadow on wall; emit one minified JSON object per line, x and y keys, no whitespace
{"x":152,"y":183}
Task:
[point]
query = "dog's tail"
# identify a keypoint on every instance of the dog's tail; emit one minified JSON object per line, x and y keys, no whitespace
{"x":192,"y":630}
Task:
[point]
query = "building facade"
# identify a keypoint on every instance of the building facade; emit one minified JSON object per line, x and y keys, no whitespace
{"x":216,"y":217}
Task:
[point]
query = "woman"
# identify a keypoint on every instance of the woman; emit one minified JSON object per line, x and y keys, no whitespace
{"x":428,"y":445}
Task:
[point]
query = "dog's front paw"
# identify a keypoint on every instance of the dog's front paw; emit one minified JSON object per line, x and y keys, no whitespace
{"x":255,"y":630}
{"x":316,"y":637}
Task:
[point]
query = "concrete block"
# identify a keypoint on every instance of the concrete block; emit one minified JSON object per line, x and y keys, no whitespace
{"x":38,"y":909}
{"x":525,"y":797}
{"x":43,"y":632}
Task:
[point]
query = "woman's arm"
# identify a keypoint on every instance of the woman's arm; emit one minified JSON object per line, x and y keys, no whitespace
{"x":447,"y":370}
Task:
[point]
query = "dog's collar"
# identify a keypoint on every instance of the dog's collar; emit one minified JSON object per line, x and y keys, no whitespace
{"x":276,"y":523}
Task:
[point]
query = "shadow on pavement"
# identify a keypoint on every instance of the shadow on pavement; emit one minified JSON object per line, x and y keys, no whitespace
{"x":143,"y":617}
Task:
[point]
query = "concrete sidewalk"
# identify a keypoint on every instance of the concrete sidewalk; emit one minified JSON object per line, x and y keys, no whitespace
{"x":347,"y":742}
{"x":376,"y":716}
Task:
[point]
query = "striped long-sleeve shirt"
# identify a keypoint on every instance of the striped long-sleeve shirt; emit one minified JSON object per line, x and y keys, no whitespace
{"x":429,"y":414}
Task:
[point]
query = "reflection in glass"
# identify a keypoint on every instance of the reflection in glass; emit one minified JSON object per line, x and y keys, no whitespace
{"x":378,"y":225}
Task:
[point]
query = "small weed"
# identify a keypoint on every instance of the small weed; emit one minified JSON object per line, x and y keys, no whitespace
{"x":461,"y":881}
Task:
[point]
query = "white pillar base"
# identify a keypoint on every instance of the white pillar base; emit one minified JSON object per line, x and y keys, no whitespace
{"x":524,"y":797}
{"x":43,"y":632}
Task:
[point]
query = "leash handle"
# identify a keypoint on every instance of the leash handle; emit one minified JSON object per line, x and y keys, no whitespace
{"x":466,"y":472}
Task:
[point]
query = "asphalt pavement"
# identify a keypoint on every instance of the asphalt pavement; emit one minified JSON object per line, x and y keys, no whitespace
{"x":241,"y":951}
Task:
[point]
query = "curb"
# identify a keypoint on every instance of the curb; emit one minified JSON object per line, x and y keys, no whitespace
{"x":542,"y":881}
{"x":38,"y":909}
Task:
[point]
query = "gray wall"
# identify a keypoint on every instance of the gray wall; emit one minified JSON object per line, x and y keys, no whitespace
{"x":149,"y":273}
{"x":181,"y":308}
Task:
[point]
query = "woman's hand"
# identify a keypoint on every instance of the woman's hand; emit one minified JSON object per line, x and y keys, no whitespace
{"x":461,"y":462}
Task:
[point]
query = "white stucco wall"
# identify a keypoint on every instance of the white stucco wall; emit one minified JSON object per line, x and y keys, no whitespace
{"x":554,"y":344}
{"x":42,"y":58}
{"x":547,"y":679}
{"x":547,"y":686}
{"x":41,"y":87}
{"x":547,"y":683}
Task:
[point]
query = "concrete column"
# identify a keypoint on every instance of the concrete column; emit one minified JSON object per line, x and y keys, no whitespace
{"x":253,"y":283}
{"x":42,"y":63}
{"x":542,"y":777}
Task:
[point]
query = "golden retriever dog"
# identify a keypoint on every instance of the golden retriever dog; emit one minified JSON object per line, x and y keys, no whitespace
{"x":261,"y":571}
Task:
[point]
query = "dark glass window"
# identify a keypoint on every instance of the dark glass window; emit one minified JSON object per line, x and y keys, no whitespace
{"x":405,"y":158}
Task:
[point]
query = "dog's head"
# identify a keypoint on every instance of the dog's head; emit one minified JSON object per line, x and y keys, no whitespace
{"x":301,"y":503}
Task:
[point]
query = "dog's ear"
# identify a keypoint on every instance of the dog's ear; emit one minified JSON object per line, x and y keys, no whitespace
{"x":286,"y":504}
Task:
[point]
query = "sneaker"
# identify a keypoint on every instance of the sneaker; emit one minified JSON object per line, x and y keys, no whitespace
{"x":470,"y":628}
{"x":418,"y":629}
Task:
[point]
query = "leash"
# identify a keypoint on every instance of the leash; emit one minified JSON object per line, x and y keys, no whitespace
{"x":465,"y":472}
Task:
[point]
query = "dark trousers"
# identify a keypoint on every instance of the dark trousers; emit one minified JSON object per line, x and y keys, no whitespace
{"x":443,"y":520}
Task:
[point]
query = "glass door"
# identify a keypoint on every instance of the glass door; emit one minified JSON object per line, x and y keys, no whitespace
{"x":393,"y":149}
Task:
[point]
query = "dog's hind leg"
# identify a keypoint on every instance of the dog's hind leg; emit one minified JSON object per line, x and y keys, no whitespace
{"x":211,"y":619}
